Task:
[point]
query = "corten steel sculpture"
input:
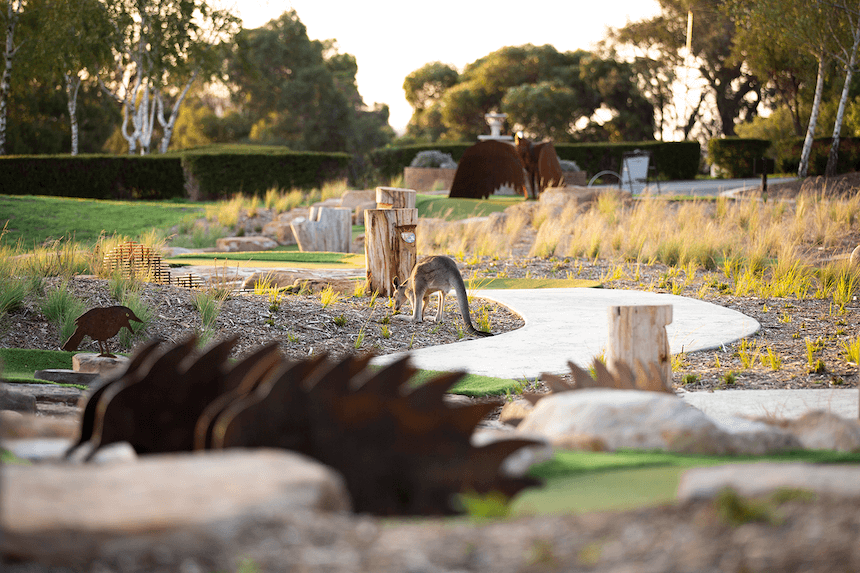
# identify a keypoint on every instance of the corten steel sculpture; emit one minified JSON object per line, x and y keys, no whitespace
{"x":100,"y":324}
{"x":402,"y":451}
{"x":625,"y":379}
{"x":490,"y":164}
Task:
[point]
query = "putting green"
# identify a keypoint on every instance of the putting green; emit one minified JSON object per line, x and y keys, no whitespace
{"x":272,"y":259}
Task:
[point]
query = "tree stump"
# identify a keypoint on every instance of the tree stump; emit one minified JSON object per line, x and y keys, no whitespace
{"x":389,"y":247}
{"x":637,"y":338}
{"x":325,"y":229}
{"x":394,"y":198}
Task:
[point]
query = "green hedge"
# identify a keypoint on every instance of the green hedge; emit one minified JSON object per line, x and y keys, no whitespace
{"x":92,"y":176}
{"x":849,"y":156}
{"x":735,"y":155}
{"x":673,"y":160}
{"x":225,"y":170}
{"x":208,"y":172}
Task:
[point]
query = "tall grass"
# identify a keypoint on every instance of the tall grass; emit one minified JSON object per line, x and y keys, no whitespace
{"x":61,"y":308}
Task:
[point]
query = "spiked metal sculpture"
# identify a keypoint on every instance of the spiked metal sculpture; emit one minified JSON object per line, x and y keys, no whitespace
{"x":490,"y":164}
{"x":401,"y":451}
{"x":100,"y":324}
{"x":624,"y":379}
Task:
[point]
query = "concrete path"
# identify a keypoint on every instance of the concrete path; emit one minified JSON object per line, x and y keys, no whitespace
{"x":572,"y":324}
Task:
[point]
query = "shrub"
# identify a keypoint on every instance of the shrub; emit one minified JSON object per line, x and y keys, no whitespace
{"x":433,"y":158}
{"x":849,"y":156}
{"x":735,"y":155}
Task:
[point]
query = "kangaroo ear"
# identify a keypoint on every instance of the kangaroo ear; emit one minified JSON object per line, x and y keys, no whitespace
{"x":396,"y":283}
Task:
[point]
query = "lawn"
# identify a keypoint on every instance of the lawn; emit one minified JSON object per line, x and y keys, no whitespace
{"x":33,"y":220}
{"x":456,"y":209}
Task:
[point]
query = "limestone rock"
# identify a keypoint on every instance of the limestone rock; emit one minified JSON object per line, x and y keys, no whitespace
{"x":18,"y":425}
{"x":764,"y":478}
{"x":649,"y":420}
{"x":91,"y":362}
{"x":820,"y":430}
{"x":64,"y":376}
{"x":13,"y":399}
{"x":243,"y":244}
{"x":855,"y":256}
{"x":48,"y":392}
{"x":514,"y":412}
{"x":280,"y":230}
{"x":63,"y":513}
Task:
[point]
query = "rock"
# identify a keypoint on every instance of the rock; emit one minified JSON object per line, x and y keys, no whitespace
{"x":514,"y":412}
{"x":17,"y":425}
{"x":763,"y":478}
{"x":855,"y":256}
{"x":243,"y":244}
{"x":649,"y":420}
{"x":820,"y":430}
{"x":48,"y":392}
{"x":179,"y":503}
{"x":64,"y":376}
{"x":278,"y":279}
{"x":91,"y":362}
{"x":280,"y":230}
{"x":54,"y":450}
{"x":580,"y":442}
{"x":13,"y":399}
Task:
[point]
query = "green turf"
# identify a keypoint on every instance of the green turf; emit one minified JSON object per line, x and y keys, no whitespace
{"x":272,"y":259}
{"x":471,"y":384}
{"x":84,"y":219}
{"x":23,"y":362}
{"x":456,"y":209}
{"x":578,"y":482}
{"x":495,"y":283}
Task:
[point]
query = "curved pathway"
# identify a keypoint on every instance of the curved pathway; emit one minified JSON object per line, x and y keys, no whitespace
{"x":572,"y":324}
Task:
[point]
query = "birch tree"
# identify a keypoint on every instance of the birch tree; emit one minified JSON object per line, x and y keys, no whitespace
{"x":846,"y":19}
{"x":167,"y":46}
{"x":14,"y":8}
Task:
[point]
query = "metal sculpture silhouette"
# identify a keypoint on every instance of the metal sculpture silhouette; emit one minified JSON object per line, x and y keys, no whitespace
{"x":100,"y":324}
{"x":401,"y":450}
{"x":489,"y":165}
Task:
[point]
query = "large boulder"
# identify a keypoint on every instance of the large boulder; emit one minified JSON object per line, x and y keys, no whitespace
{"x":70,"y":514}
{"x":244,"y":244}
{"x":648,"y":420}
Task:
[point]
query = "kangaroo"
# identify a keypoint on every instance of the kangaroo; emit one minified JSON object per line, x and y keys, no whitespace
{"x":430,"y":275}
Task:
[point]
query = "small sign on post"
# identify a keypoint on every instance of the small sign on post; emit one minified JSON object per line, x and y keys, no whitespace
{"x":389,"y":238}
{"x":637,"y":339}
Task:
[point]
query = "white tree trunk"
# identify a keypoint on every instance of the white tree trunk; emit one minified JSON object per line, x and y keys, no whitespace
{"x":833,"y":156}
{"x":168,"y":125}
{"x":14,"y":11}
{"x":72,"y":87}
{"x":813,"y":120}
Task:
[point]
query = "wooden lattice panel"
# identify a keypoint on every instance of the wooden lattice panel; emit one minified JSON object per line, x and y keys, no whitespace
{"x":132,"y":259}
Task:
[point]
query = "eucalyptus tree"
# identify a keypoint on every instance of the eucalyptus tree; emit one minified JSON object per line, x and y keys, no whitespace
{"x":166,"y":46}
{"x":12,"y":15}
{"x":736,"y":91}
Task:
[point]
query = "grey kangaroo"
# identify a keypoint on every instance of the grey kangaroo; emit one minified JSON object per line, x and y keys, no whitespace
{"x":434,"y":274}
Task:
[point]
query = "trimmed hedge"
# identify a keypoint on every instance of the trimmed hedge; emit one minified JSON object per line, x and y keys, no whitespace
{"x":208,"y":172}
{"x":92,"y":176}
{"x":849,"y":156}
{"x":673,"y":160}
{"x":219,"y":172}
{"x":735,"y":155}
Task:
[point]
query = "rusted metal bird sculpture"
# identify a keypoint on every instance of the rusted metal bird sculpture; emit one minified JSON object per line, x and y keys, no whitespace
{"x":402,"y":450}
{"x":486,"y":166}
{"x":100,"y":324}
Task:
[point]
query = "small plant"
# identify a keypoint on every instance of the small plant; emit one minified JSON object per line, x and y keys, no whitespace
{"x":771,"y":359}
{"x":360,"y":289}
{"x":132,"y":300}
{"x":411,"y":342}
{"x":748,"y":352}
{"x":679,"y":361}
{"x":61,"y":308}
{"x":460,"y":332}
{"x":729,"y":378}
{"x":208,"y":303}
{"x":493,"y":505}
{"x":851,"y":350}
{"x":359,"y":339}
{"x":690,"y":379}
{"x":735,"y":510}
{"x":329,"y":296}
{"x":785,"y":318}
{"x":435,"y":329}
{"x":482,"y":320}
{"x":292,"y":337}
{"x":717,"y":361}
{"x":385,"y":331}
{"x":373,"y":297}
{"x":339,"y":320}
{"x":12,"y":293}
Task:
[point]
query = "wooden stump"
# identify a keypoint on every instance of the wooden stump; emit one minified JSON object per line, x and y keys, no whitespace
{"x":325,"y":229}
{"x":637,"y":334}
{"x":394,"y":198}
{"x":389,"y":246}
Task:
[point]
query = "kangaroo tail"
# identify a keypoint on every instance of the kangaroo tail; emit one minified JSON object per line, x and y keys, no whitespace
{"x":74,"y":340}
{"x":463,"y":301}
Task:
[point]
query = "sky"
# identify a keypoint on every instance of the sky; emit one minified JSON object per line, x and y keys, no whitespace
{"x":392,"y":38}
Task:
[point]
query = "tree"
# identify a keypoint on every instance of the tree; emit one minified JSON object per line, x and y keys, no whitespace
{"x":300,"y":92}
{"x":166,"y":46}
{"x":424,"y":89}
{"x":736,"y":91}
{"x":14,"y":8}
